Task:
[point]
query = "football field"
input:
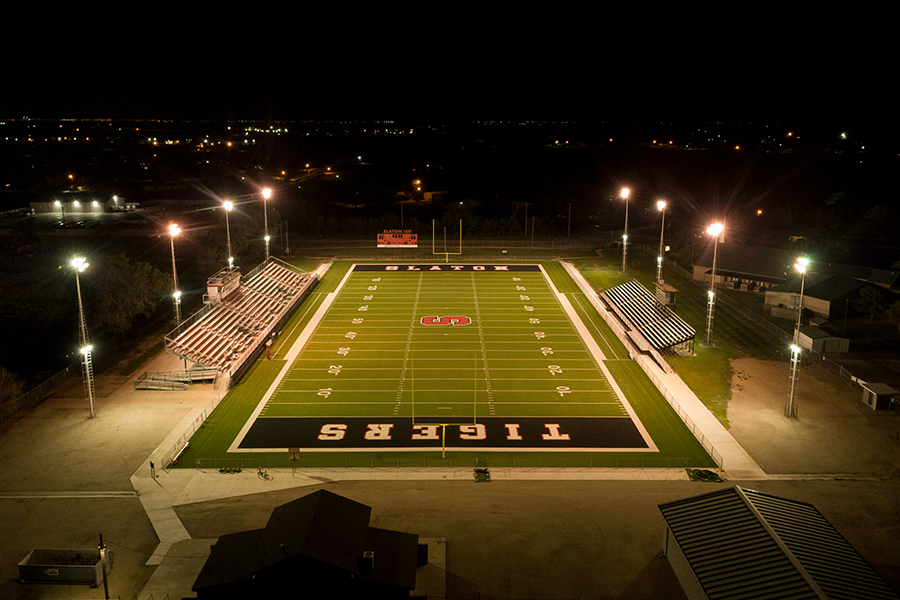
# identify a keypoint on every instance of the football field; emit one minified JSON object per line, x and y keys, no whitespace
{"x":426,"y":357}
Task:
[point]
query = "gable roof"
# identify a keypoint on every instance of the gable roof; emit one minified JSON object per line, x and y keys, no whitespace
{"x":322,"y":526}
{"x":742,"y":543}
{"x":325,"y":538}
{"x":756,"y":261}
{"x":821,"y":286}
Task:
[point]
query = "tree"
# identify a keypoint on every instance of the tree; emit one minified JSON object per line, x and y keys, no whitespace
{"x":893,"y":314}
{"x":122,"y":290}
{"x":10,"y":386}
{"x":870,"y":302}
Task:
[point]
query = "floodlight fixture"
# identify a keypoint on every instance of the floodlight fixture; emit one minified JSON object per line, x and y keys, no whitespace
{"x":79,"y":263}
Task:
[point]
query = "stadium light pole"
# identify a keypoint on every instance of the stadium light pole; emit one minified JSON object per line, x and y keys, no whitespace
{"x":79,"y":264}
{"x":624,"y":195}
{"x":267,"y":192}
{"x":801,"y":265}
{"x":661,"y":207}
{"x":790,"y":410}
{"x":62,"y":209}
{"x":715,"y":229}
{"x":228,"y":206}
{"x":173,"y":231}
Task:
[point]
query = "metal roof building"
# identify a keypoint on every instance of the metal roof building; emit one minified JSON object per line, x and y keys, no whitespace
{"x":738,"y":543}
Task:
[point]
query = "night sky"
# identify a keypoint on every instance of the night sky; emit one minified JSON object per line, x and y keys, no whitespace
{"x":260,"y":60}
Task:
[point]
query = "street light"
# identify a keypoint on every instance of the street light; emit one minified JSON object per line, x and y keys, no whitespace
{"x":176,"y":295}
{"x":801,"y":265}
{"x":790,"y":410}
{"x":228,"y":206}
{"x":79,"y":264}
{"x":624,"y":195}
{"x":715,"y":229}
{"x":661,"y":207}
{"x":267,"y":192}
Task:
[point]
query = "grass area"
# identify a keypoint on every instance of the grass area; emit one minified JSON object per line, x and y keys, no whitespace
{"x":709,"y":372}
{"x":508,"y":340}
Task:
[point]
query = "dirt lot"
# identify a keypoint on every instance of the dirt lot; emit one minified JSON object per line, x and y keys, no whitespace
{"x":835,"y":433}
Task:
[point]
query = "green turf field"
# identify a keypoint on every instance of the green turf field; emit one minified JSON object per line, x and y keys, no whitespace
{"x":412,"y":363}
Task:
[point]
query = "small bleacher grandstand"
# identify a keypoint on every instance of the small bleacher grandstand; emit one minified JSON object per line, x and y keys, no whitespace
{"x":639,"y":310}
{"x":240,"y":315}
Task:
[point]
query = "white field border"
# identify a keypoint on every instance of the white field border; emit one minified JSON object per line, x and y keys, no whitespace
{"x":313,"y":323}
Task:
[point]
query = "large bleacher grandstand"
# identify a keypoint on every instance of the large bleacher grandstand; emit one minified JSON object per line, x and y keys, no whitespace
{"x":240,"y":315}
{"x":639,"y":310}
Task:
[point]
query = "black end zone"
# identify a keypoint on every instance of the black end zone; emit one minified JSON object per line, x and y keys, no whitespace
{"x":366,"y":434}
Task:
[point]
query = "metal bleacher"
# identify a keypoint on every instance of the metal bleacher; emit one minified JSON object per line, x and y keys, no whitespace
{"x":224,"y":335}
{"x":636,"y":307}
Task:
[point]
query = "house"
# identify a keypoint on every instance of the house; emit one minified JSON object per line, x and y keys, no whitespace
{"x":823,"y":294}
{"x":318,"y":546}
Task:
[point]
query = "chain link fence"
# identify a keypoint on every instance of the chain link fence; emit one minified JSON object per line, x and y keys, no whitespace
{"x":37,"y":395}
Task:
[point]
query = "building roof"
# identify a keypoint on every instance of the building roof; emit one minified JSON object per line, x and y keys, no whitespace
{"x":742,"y":543}
{"x":757,"y":262}
{"x":821,"y":286}
{"x":879,"y":389}
{"x":322,"y":526}
{"x":323,"y":537}
{"x":773,"y":265}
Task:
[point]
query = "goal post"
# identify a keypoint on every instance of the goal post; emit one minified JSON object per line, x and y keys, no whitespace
{"x":446,"y":253}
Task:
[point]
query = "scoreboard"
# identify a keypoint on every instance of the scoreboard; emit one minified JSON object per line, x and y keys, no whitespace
{"x":397,"y":238}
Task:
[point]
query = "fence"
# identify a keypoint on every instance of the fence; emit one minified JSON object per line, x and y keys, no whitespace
{"x":425,"y":241}
{"x":34,"y":396}
{"x":171,"y":457}
{"x":507,"y":460}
